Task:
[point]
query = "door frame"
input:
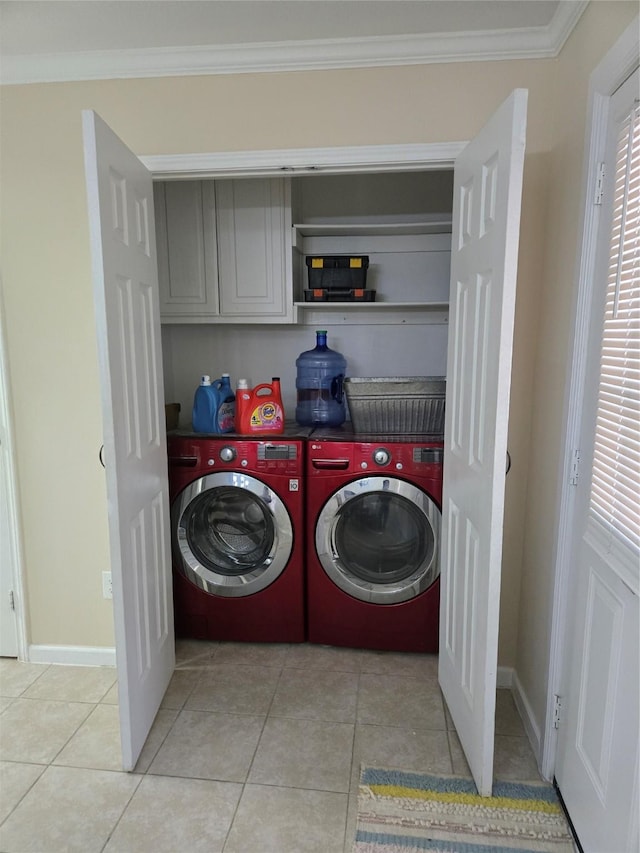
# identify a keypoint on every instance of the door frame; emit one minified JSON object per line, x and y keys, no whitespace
{"x":267,"y":163}
{"x":15,"y":570}
{"x":612,"y":71}
{"x":304,"y":161}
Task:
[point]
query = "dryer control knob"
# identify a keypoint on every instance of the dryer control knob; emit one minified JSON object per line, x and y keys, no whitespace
{"x":381,"y":456}
{"x":228,"y":454}
{"x":211,"y":462}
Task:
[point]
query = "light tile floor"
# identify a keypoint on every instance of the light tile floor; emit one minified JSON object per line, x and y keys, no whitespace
{"x":256,"y":748}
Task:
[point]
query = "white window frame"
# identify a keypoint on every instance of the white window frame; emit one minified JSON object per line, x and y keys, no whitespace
{"x":612,"y":526}
{"x":613,"y":70}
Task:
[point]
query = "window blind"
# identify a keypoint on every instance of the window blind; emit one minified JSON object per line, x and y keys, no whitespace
{"x":615,"y":486}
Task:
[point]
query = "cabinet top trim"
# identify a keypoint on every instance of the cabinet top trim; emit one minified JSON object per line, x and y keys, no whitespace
{"x":301,"y":161}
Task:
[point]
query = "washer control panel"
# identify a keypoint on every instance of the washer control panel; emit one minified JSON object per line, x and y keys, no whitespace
{"x":260,"y":455}
{"x":268,"y":452}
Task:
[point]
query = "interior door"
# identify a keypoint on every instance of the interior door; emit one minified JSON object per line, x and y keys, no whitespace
{"x":486,"y":225}
{"x":122,"y":231}
{"x":597,"y":759}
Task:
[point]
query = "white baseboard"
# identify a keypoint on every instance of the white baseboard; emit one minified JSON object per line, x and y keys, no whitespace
{"x":531,"y":727}
{"x":504,"y":677}
{"x":73,"y":655}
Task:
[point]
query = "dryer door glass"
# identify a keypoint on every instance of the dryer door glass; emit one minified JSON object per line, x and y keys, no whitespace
{"x":378,"y":539}
{"x":383,"y":538}
{"x":231,"y":534}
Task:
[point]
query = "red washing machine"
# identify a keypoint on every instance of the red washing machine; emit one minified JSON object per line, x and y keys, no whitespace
{"x":237,"y":531}
{"x":373,"y":528}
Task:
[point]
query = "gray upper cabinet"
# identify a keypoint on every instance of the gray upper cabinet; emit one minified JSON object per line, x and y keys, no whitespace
{"x":253,"y":233}
{"x":224,"y":250}
{"x":187,"y":249}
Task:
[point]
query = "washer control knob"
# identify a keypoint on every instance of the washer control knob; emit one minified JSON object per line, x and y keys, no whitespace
{"x":211,"y":462}
{"x":381,"y":456}
{"x":244,"y":463}
{"x":364,"y":465}
{"x":228,"y":454}
{"x":399,"y":466}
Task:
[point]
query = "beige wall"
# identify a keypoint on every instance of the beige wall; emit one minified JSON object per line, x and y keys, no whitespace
{"x":596,"y":32}
{"x":46,"y":277}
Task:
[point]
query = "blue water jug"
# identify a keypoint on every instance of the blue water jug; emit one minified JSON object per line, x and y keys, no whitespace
{"x":320,"y":396}
{"x":213,"y":406}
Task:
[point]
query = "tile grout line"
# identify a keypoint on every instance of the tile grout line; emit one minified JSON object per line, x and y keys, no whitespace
{"x":168,"y":732}
{"x":37,"y":779}
{"x":253,"y":757}
{"x":200,"y":670}
{"x":353,"y":758}
{"x":125,"y":807}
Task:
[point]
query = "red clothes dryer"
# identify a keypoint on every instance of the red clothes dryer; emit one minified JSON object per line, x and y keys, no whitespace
{"x":237,"y":531}
{"x":373,"y":528}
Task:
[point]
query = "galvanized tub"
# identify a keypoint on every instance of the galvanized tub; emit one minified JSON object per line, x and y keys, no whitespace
{"x":397,"y":405}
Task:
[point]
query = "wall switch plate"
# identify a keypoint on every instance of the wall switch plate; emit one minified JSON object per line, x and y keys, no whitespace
{"x":107,"y":589}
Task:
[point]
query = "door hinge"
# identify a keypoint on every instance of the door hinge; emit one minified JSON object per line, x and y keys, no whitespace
{"x":12,"y":601}
{"x":557,"y":707}
{"x":575,"y":468}
{"x":597,"y":199}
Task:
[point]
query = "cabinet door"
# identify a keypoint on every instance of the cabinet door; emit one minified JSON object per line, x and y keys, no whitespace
{"x":252,"y":217}
{"x":187,"y":263}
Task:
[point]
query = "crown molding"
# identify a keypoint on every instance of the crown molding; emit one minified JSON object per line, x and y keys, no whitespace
{"x":311,"y":55}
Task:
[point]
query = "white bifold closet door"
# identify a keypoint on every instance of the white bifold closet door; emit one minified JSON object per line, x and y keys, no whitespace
{"x":125,"y":276}
{"x":484,"y":256}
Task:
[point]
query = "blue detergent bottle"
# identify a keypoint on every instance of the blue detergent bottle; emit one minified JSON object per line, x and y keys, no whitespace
{"x":213,"y":406}
{"x":320,"y":396}
{"x":226,"y":414}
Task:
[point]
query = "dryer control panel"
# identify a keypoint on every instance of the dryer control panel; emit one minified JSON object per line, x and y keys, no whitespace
{"x":357,"y":457}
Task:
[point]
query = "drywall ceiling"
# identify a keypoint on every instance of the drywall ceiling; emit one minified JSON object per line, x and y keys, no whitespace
{"x":93,"y":39}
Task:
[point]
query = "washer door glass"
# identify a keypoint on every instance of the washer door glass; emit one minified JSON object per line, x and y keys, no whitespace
{"x":378,"y":540}
{"x":232,"y":535}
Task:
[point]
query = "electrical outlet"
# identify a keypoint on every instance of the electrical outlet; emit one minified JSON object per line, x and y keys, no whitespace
{"x":107,"y":589}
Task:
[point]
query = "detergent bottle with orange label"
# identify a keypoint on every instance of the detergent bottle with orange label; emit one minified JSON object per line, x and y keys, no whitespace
{"x":259,"y":410}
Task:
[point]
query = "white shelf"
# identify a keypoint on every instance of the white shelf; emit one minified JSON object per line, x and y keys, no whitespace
{"x":372,"y":229}
{"x":376,"y":306}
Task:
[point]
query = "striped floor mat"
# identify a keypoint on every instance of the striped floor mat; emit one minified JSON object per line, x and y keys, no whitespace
{"x":401,"y":812}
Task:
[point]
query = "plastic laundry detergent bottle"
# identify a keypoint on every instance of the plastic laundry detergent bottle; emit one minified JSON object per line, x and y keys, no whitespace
{"x":243,"y":398}
{"x":260,"y":409}
{"x":320,"y":396}
{"x":213,"y":406}
{"x":226,"y":414}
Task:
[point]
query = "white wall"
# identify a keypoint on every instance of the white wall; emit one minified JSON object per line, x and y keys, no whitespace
{"x":258,"y":353}
{"x":597,"y":30}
